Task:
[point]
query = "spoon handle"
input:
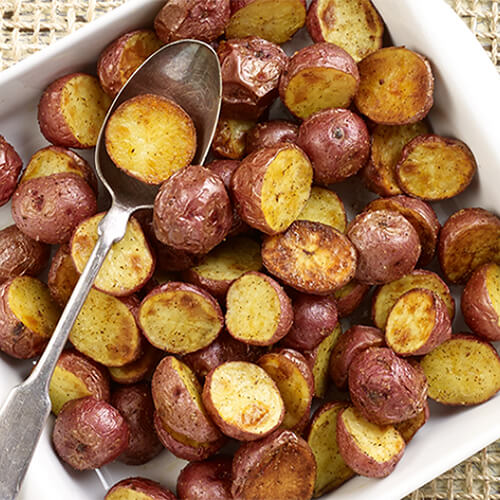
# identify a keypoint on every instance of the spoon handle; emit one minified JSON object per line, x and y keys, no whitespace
{"x":23,"y":415}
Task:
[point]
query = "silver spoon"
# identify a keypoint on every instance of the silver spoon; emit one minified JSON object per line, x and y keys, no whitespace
{"x":187,"y":72}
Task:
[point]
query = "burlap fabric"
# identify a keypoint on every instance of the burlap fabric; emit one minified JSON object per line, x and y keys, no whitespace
{"x":27,"y":26}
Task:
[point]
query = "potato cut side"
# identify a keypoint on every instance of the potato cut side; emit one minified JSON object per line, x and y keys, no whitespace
{"x":129,"y":263}
{"x":273,"y":20}
{"x":150,"y":137}
{"x":84,"y":105}
{"x":63,"y":276}
{"x":128,"y":494}
{"x":462,"y":371}
{"x":314,"y":89}
{"x":326,"y":207}
{"x":106,"y":331}
{"x":435,"y":168}
{"x":65,"y":386}
{"x":31,"y":303}
{"x":332,"y":470}
{"x":396,"y":86}
{"x":493,"y":288}
{"x":286,"y":188}
{"x":230,"y":137}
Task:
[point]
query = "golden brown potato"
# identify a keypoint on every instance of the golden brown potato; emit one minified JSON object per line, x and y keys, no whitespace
{"x":349,"y":297}
{"x":310,"y":257}
{"x":150,"y":153}
{"x":318,"y":77}
{"x":72,"y":110}
{"x":28,"y":316}
{"x":63,"y":275}
{"x":326,"y":207}
{"x":268,"y":134}
{"x":230,"y":137}
{"x":123,"y":56}
{"x":463,"y":371}
{"x":435,"y":168}
{"x":353,"y":25}
{"x":396,"y":86}
{"x":180,"y":318}
{"x":410,"y":427}
{"x":273,"y":20}
{"x":129,"y":489}
{"x":271,"y":187}
{"x":10,"y":168}
{"x":468,"y":239}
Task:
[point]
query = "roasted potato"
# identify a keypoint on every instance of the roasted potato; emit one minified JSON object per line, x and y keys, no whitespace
{"x":435,"y":168}
{"x":258,"y":310}
{"x":71,"y":111}
{"x":396,"y":86}
{"x":127,"y":267}
{"x":384,"y":388}
{"x":269,"y":134}
{"x":321,"y":436}
{"x":192,"y":210}
{"x":282,"y":463}
{"x":310,"y":257}
{"x":123,"y":56}
{"x":230,"y":137}
{"x":337,"y":143}
{"x":408,"y":428}
{"x":468,"y":239}
{"x":180,"y":318}
{"x":150,"y":153}
{"x":318,"y":77}
{"x":463,"y":371}
{"x":10,"y":168}
{"x":388,"y":246}
{"x":354,"y":341}
{"x":28,"y":316}
{"x":76,"y":376}
{"x":20,"y":254}
{"x":251,"y":68}
{"x":354,"y":26}
{"x":180,"y":19}
{"x":48,"y":209}
{"x":63,"y":275}
{"x":367,"y":448}
{"x":349,"y":297}
{"x":89,"y":433}
{"x":243,"y":400}
{"x":276,"y":21}
{"x":129,"y":489}
{"x":271,"y":187}
{"x":481,"y":302}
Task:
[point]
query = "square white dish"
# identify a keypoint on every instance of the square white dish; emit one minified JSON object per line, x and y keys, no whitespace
{"x":467,"y":106}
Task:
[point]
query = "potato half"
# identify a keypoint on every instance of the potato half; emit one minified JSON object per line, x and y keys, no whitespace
{"x":139,"y":488}
{"x":230,"y":137}
{"x":408,"y":428}
{"x":10,"y":168}
{"x":63,"y":275}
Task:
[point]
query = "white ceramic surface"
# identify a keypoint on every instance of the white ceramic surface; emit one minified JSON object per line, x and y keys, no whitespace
{"x":467,"y":107}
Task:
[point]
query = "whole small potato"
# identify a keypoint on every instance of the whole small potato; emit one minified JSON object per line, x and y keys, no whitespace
{"x":139,"y":488}
{"x":48,"y":209}
{"x":268,"y":134}
{"x":10,"y":168}
{"x":337,"y":143}
{"x":89,"y":433}
{"x":192,"y":210}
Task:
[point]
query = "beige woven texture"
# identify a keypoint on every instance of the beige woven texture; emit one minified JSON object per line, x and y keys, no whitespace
{"x":27,"y":26}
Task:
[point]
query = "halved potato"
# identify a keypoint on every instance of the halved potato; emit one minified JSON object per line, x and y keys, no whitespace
{"x":349,"y":297}
{"x":139,"y":488}
{"x":462,"y":371}
{"x":321,"y":436}
{"x":150,"y":137}
{"x":128,"y":265}
{"x":180,"y":318}
{"x":243,"y":400}
{"x":310,"y":257}
{"x":396,"y":86}
{"x":258,"y":311}
{"x":11,"y":166}
{"x":408,"y":428}
{"x":63,"y":275}
{"x":368,"y":449}
{"x":326,"y":207}
{"x":230,"y":137}
{"x":435,"y":168}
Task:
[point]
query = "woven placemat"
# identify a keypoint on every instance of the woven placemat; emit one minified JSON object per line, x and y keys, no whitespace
{"x":27,"y":26}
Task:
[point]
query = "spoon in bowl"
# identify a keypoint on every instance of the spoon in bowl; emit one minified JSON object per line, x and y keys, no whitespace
{"x":188,"y":73}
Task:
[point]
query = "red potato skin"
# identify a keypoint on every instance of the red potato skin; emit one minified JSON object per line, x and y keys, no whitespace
{"x":388,"y":246}
{"x":314,"y":318}
{"x":337,"y":142}
{"x":48,"y":209}
{"x":192,"y":210}
{"x":135,"y":404}
{"x":269,"y":134}
{"x":180,"y":19}
{"x":408,"y":429}
{"x":477,"y":307}
{"x":20,"y":255}
{"x":89,"y":433}
{"x":153,"y":490}
{"x":10,"y":168}
{"x":349,"y":303}
{"x":207,"y":480}
{"x":354,"y":341}
{"x":386,"y":389}
{"x":251,"y":68}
